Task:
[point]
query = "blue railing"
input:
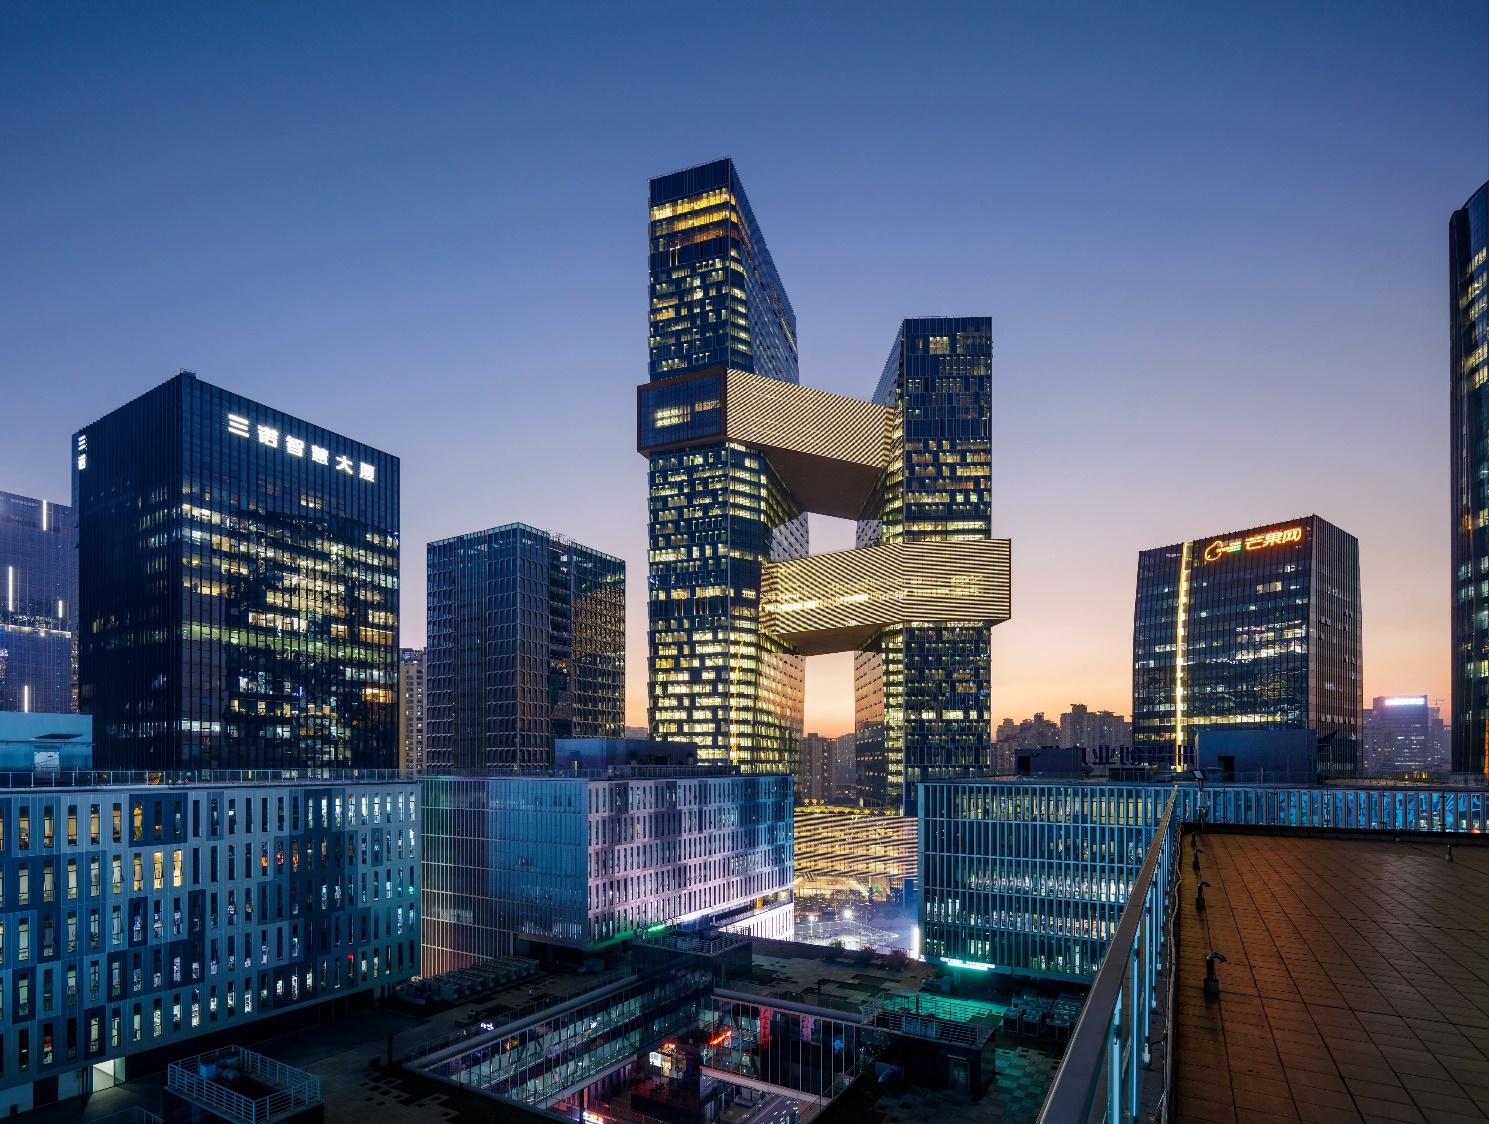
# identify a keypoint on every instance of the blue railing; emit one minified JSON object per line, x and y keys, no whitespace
{"x":205,"y":778}
{"x":1100,"y":1077}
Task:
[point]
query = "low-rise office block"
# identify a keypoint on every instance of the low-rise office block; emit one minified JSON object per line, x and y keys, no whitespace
{"x":139,"y":915}
{"x":547,"y":862}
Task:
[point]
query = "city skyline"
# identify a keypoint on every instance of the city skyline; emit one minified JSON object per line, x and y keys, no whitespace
{"x":1297,"y":263}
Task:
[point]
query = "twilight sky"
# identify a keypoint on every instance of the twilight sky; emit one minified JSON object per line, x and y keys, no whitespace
{"x":1212,"y":239}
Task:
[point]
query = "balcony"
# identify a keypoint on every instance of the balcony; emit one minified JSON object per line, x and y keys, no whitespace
{"x":237,"y":1085}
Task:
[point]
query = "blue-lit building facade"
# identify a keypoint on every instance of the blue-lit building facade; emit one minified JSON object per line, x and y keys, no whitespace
{"x":546,"y":863}
{"x":922,"y":691}
{"x":1468,"y":313}
{"x":238,"y":586}
{"x":138,"y":916}
{"x":38,"y":605}
{"x":740,"y":453}
{"x":526,"y":644}
{"x":1253,"y":629}
{"x":1030,"y":877}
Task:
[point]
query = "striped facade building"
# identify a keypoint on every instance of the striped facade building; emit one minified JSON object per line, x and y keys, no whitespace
{"x":740,"y":454}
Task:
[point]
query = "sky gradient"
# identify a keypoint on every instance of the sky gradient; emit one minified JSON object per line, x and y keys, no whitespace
{"x":1212,"y":239}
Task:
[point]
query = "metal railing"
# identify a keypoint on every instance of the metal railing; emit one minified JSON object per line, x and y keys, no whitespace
{"x":1100,"y":1075}
{"x":199,"y":778}
{"x":201,"y":1080}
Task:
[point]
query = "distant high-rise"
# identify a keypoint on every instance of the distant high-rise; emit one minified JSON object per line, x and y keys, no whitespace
{"x":845,"y":769}
{"x":526,"y":644}
{"x":237,"y":586}
{"x":814,"y":777}
{"x":1091,"y":729}
{"x":411,"y":709}
{"x":1031,"y":733}
{"x":739,"y":454}
{"x":1401,"y":735}
{"x":1468,"y":312}
{"x":38,"y":605}
{"x":1250,"y":629}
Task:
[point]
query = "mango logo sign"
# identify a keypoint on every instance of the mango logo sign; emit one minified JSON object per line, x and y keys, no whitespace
{"x":1221,"y":547}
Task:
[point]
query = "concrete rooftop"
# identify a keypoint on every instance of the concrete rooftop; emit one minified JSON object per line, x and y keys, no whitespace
{"x":1357,"y":982}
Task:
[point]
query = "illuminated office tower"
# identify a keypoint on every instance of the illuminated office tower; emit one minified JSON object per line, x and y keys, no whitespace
{"x":922,"y":688}
{"x":237,"y":587}
{"x":526,"y":644}
{"x":1468,"y":311}
{"x":718,"y":511}
{"x":1256,"y":629}
{"x":739,"y":454}
{"x":38,"y":603}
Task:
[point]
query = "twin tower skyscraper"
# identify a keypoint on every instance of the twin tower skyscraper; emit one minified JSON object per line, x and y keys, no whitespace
{"x":740,"y":454}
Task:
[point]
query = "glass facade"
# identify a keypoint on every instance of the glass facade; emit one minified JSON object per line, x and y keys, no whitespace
{"x":238,"y":586}
{"x":526,"y":644}
{"x":1031,"y":876}
{"x":586,"y":861}
{"x":922,"y":692}
{"x":716,"y":299}
{"x":717,"y":511}
{"x":1468,"y":311}
{"x":539,"y":1059}
{"x":681,"y":410}
{"x":739,"y":454}
{"x":38,"y":605}
{"x":1249,"y":629}
{"x":135,"y":917}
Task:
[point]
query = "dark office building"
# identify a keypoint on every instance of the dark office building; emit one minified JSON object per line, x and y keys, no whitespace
{"x":38,"y":605}
{"x":1251,"y":629}
{"x":716,"y":299}
{"x":526,"y":644}
{"x":1468,"y":311}
{"x":238,"y":587}
{"x":922,"y":693}
{"x":718,"y":512}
